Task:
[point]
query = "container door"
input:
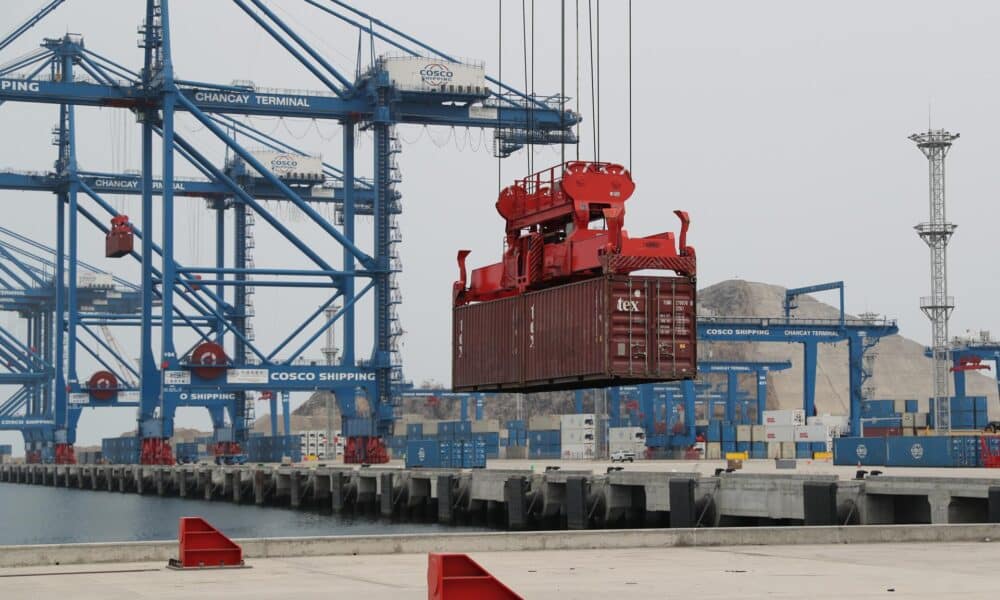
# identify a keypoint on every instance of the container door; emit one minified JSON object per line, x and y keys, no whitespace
{"x":673,"y":327}
{"x":628,"y":327}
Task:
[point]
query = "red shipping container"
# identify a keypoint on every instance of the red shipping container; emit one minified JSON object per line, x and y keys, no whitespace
{"x":610,"y":330}
{"x":874,"y":431}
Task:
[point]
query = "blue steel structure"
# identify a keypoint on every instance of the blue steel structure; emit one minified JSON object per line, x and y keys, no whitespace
{"x":732,"y":370}
{"x":477,"y":399}
{"x":974,"y":351}
{"x":27,"y":288}
{"x":210,"y":302}
{"x":860,"y":334}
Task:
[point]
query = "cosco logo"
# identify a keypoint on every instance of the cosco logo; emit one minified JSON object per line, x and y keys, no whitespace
{"x":436,"y":74}
{"x":283,"y":162}
{"x":283,"y":376}
{"x":861,"y":451}
{"x":421,"y":455}
{"x":916,"y":451}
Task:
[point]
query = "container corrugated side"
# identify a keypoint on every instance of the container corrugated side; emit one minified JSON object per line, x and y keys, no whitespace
{"x":485,"y":348}
{"x":595,"y":333}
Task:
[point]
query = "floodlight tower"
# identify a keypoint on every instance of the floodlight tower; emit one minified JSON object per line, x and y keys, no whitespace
{"x":936,"y":233}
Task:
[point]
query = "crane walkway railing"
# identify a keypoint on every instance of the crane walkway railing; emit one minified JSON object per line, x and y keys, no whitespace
{"x":792,"y":322}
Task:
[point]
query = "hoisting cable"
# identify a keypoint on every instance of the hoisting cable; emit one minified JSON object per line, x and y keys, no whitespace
{"x":524,"y":56}
{"x":630,"y":85}
{"x":498,"y":139}
{"x":531,"y":108}
{"x":598,"y":97}
{"x":579,"y":107}
{"x":593,"y":110}
{"x":562,"y":81}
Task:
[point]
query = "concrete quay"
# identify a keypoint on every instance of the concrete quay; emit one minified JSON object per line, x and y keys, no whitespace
{"x":523,"y":499}
{"x":899,"y":570}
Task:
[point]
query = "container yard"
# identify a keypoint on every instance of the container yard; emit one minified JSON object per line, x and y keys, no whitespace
{"x":241,"y":298}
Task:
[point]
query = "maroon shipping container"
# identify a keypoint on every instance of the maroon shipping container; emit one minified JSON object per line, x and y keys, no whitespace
{"x":876,"y":432}
{"x":611,"y":330}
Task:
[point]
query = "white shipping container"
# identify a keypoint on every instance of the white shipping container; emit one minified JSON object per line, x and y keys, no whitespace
{"x":779,"y":433}
{"x":774,"y":449}
{"x":899,"y":406}
{"x":743,"y":433}
{"x":811,"y":433}
{"x":838,"y":424}
{"x":422,"y":74}
{"x":543,"y":423}
{"x":486,"y":426}
{"x":286,"y":165}
{"x":580,"y":421}
{"x":430,"y":427}
{"x":637,"y":447}
{"x":758,"y":433}
{"x":713,"y":450}
{"x":909,"y":419}
{"x":787,"y":449}
{"x":577,"y":436}
{"x":621,"y":434}
{"x":920,"y":420}
{"x":785,"y":417}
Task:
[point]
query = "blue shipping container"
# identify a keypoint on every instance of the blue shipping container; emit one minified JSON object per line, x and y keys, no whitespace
{"x":423,"y":453}
{"x":728,"y":447}
{"x":6,"y":449}
{"x":964,"y":419}
{"x":803,"y":450}
{"x":924,"y":451}
{"x":912,"y":406}
{"x":447,"y":454}
{"x":865,"y":451}
{"x":743,"y":446}
{"x":545,"y":437}
{"x":758,"y":450}
{"x":186,"y":452}
{"x":728,"y":432}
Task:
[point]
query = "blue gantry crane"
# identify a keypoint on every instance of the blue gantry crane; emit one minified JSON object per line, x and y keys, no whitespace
{"x":968,"y":355}
{"x":861,"y":335}
{"x":211,"y":303}
{"x":27,"y":289}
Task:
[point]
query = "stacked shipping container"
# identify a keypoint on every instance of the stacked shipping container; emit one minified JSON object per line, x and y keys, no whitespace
{"x":578,"y":436}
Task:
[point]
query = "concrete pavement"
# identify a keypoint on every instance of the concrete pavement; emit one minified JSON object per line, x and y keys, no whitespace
{"x":941,"y":570}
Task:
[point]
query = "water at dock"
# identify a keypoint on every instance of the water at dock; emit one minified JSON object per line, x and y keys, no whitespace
{"x":51,"y":515}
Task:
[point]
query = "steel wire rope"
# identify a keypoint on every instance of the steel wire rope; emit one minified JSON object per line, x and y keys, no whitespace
{"x":576,"y":53}
{"x":593,"y":111}
{"x":320,"y":38}
{"x":497,"y":148}
{"x":524,"y":56}
{"x":562,"y":80}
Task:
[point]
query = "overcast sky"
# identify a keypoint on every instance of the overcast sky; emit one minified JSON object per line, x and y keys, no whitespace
{"x":780,"y":126}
